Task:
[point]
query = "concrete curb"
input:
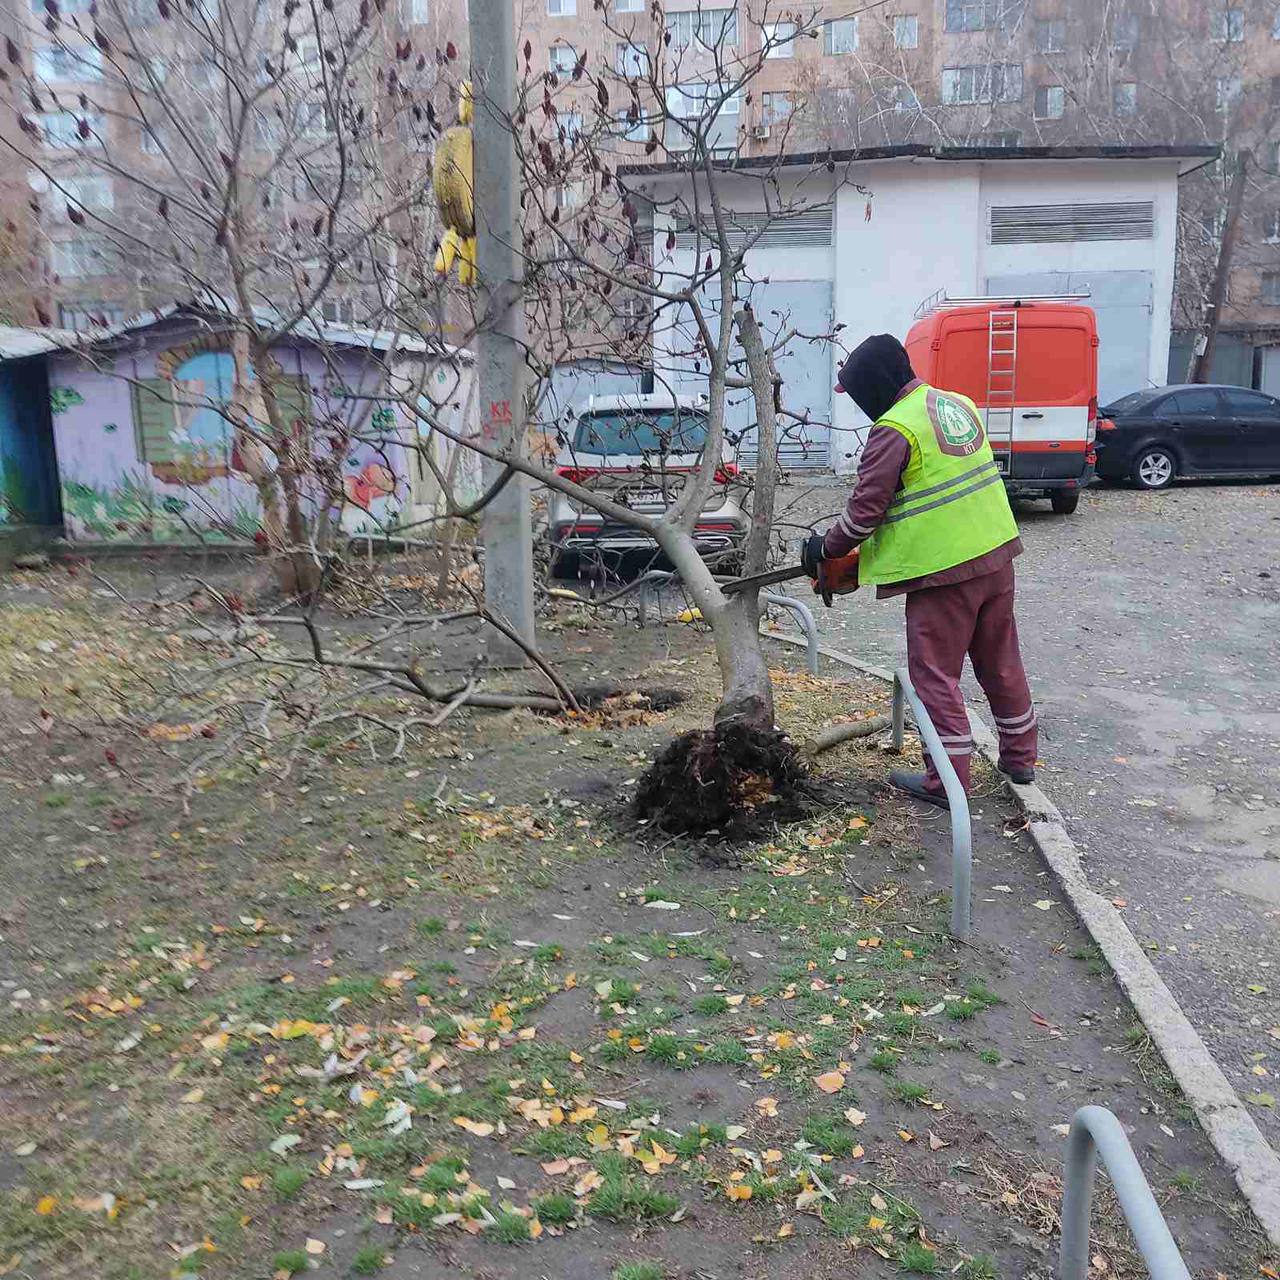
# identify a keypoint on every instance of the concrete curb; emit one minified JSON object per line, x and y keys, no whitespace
{"x":1229,"y":1126}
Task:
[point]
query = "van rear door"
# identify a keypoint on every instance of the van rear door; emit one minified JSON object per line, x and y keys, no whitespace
{"x":1038,"y":420}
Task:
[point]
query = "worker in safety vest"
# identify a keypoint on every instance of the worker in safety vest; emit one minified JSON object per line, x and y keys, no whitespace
{"x":931,"y":520}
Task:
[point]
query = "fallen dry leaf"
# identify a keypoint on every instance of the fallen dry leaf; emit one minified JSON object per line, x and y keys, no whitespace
{"x":554,"y":1167}
{"x":481,"y":1128}
{"x":830,"y":1081}
{"x":769,"y":1106}
{"x":936,"y":1143}
{"x":855,"y":1117}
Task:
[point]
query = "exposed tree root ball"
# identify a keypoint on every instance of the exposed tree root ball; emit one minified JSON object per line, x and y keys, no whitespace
{"x":729,"y":781}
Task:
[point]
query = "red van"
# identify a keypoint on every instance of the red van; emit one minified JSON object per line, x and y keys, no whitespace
{"x":1031,"y":365}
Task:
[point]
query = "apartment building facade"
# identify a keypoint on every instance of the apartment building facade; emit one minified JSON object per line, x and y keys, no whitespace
{"x":840,"y":75}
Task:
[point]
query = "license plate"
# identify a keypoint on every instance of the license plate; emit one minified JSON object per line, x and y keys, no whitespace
{"x":646,"y":498}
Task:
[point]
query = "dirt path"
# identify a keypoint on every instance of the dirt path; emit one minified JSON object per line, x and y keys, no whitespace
{"x":1149,"y":624}
{"x":458,"y":1015}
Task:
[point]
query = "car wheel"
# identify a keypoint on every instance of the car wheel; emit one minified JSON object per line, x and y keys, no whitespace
{"x":1065,"y":502}
{"x":1154,"y":468}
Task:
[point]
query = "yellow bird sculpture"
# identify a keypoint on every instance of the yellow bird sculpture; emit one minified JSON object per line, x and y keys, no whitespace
{"x":453,"y":179}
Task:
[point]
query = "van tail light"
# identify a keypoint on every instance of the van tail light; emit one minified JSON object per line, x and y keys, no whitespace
{"x":1092,"y":434}
{"x":726,"y":472}
{"x":576,"y":475}
{"x":1091,"y":458}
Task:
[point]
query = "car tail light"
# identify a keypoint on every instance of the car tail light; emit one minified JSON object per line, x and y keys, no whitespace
{"x":1105,"y":424}
{"x":576,"y":475}
{"x":726,"y":472}
{"x":715,"y":526}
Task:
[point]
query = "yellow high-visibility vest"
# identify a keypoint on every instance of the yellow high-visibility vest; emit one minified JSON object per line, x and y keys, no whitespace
{"x":952,"y":505}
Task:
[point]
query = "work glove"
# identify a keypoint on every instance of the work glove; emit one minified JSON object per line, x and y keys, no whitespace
{"x":812,"y":553}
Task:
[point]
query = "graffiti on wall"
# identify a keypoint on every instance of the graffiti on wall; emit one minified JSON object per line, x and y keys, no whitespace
{"x":148,"y":453}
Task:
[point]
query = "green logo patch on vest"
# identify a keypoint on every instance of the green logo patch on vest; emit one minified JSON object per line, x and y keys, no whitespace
{"x":957,"y":429}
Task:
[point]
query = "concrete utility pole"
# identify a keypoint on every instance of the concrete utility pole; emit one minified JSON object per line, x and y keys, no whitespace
{"x":500,"y":346}
{"x":1202,"y":359}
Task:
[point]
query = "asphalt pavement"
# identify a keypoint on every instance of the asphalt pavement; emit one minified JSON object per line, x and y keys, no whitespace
{"x":1150,"y":626}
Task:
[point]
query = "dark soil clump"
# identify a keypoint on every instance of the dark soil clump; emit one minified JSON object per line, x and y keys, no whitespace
{"x":729,"y":781}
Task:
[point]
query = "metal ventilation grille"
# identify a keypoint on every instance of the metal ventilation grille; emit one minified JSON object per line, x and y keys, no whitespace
{"x":765,"y":230}
{"x":1062,"y":223}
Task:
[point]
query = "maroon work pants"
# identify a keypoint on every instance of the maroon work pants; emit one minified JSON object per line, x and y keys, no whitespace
{"x":974,"y":618}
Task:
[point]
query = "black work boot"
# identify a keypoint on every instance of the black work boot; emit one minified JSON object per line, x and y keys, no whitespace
{"x":1021,"y":775}
{"x":913,"y":785}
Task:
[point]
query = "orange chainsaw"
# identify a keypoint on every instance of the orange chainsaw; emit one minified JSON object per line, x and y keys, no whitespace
{"x":837,"y":577}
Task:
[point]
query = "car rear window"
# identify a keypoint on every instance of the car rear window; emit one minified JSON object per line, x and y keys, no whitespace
{"x":1131,"y":403}
{"x":641,"y":432}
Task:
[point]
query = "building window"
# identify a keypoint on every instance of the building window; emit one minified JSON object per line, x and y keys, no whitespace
{"x":562,"y":8}
{"x":775,"y":108}
{"x":983,"y":15}
{"x":83,"y":256}
{"x":1227,"y":25}
{"x":90,"y":191}
{"x":633,"y":128}
{"x":711,"y":28}
{"x":628,"y":6}
{"x":1275,"y":24}
{"x":419,"y":12}
{"x":689,"y":101}
{"x":997,"y":82}
{"x":906,"y":31}
{"x":1124,"y":98}
{"x":561,"y":60}
{"x":1227,"y":91}
{"x":779,"y":39}
{"x":1050,"y":35}
{"x":54,"y":62}
{"x":904,"y":98}
{"x":1271,"y":288}
{"x":570,"y":123}
{"x":88,"y":315}
{"x":1271,"y":226}
{"x":64,"y":131}
{"x":340,"y":310}
{"x":1051,"y":102}
{"x":1002,"y":138}
{"x":840,"y":36}
{"x":633,"y":61}
{"x":1126,"y":33}
{"x":312,"y":120}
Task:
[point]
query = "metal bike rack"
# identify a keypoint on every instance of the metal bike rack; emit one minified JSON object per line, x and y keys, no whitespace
{"x":1095,"y":1131}
{"x":961,"y":826}
{"x":801,"y":611}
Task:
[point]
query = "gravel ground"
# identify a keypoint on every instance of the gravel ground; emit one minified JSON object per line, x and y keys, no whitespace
{"x":1151,"y":630}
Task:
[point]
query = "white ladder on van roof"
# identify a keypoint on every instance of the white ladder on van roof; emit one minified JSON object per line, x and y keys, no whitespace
{"x":1002,"y":371}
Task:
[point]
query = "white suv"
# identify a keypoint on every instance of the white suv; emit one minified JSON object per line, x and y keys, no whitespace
{"x":640,"y":449}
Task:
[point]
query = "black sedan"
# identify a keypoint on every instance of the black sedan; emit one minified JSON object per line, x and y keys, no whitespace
{"x":1152,"y":437}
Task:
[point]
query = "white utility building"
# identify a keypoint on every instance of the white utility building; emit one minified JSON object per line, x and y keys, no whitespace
{"x":866,"y":238}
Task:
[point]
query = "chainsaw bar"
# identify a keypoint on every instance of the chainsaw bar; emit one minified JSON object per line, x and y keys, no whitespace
{"x":762,"y":579}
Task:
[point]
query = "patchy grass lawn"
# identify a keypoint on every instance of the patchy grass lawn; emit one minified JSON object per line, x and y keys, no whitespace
{"x":458,"y":1015}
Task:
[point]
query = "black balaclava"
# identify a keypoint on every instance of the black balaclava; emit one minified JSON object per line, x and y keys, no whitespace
{"x":875,"y":373}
